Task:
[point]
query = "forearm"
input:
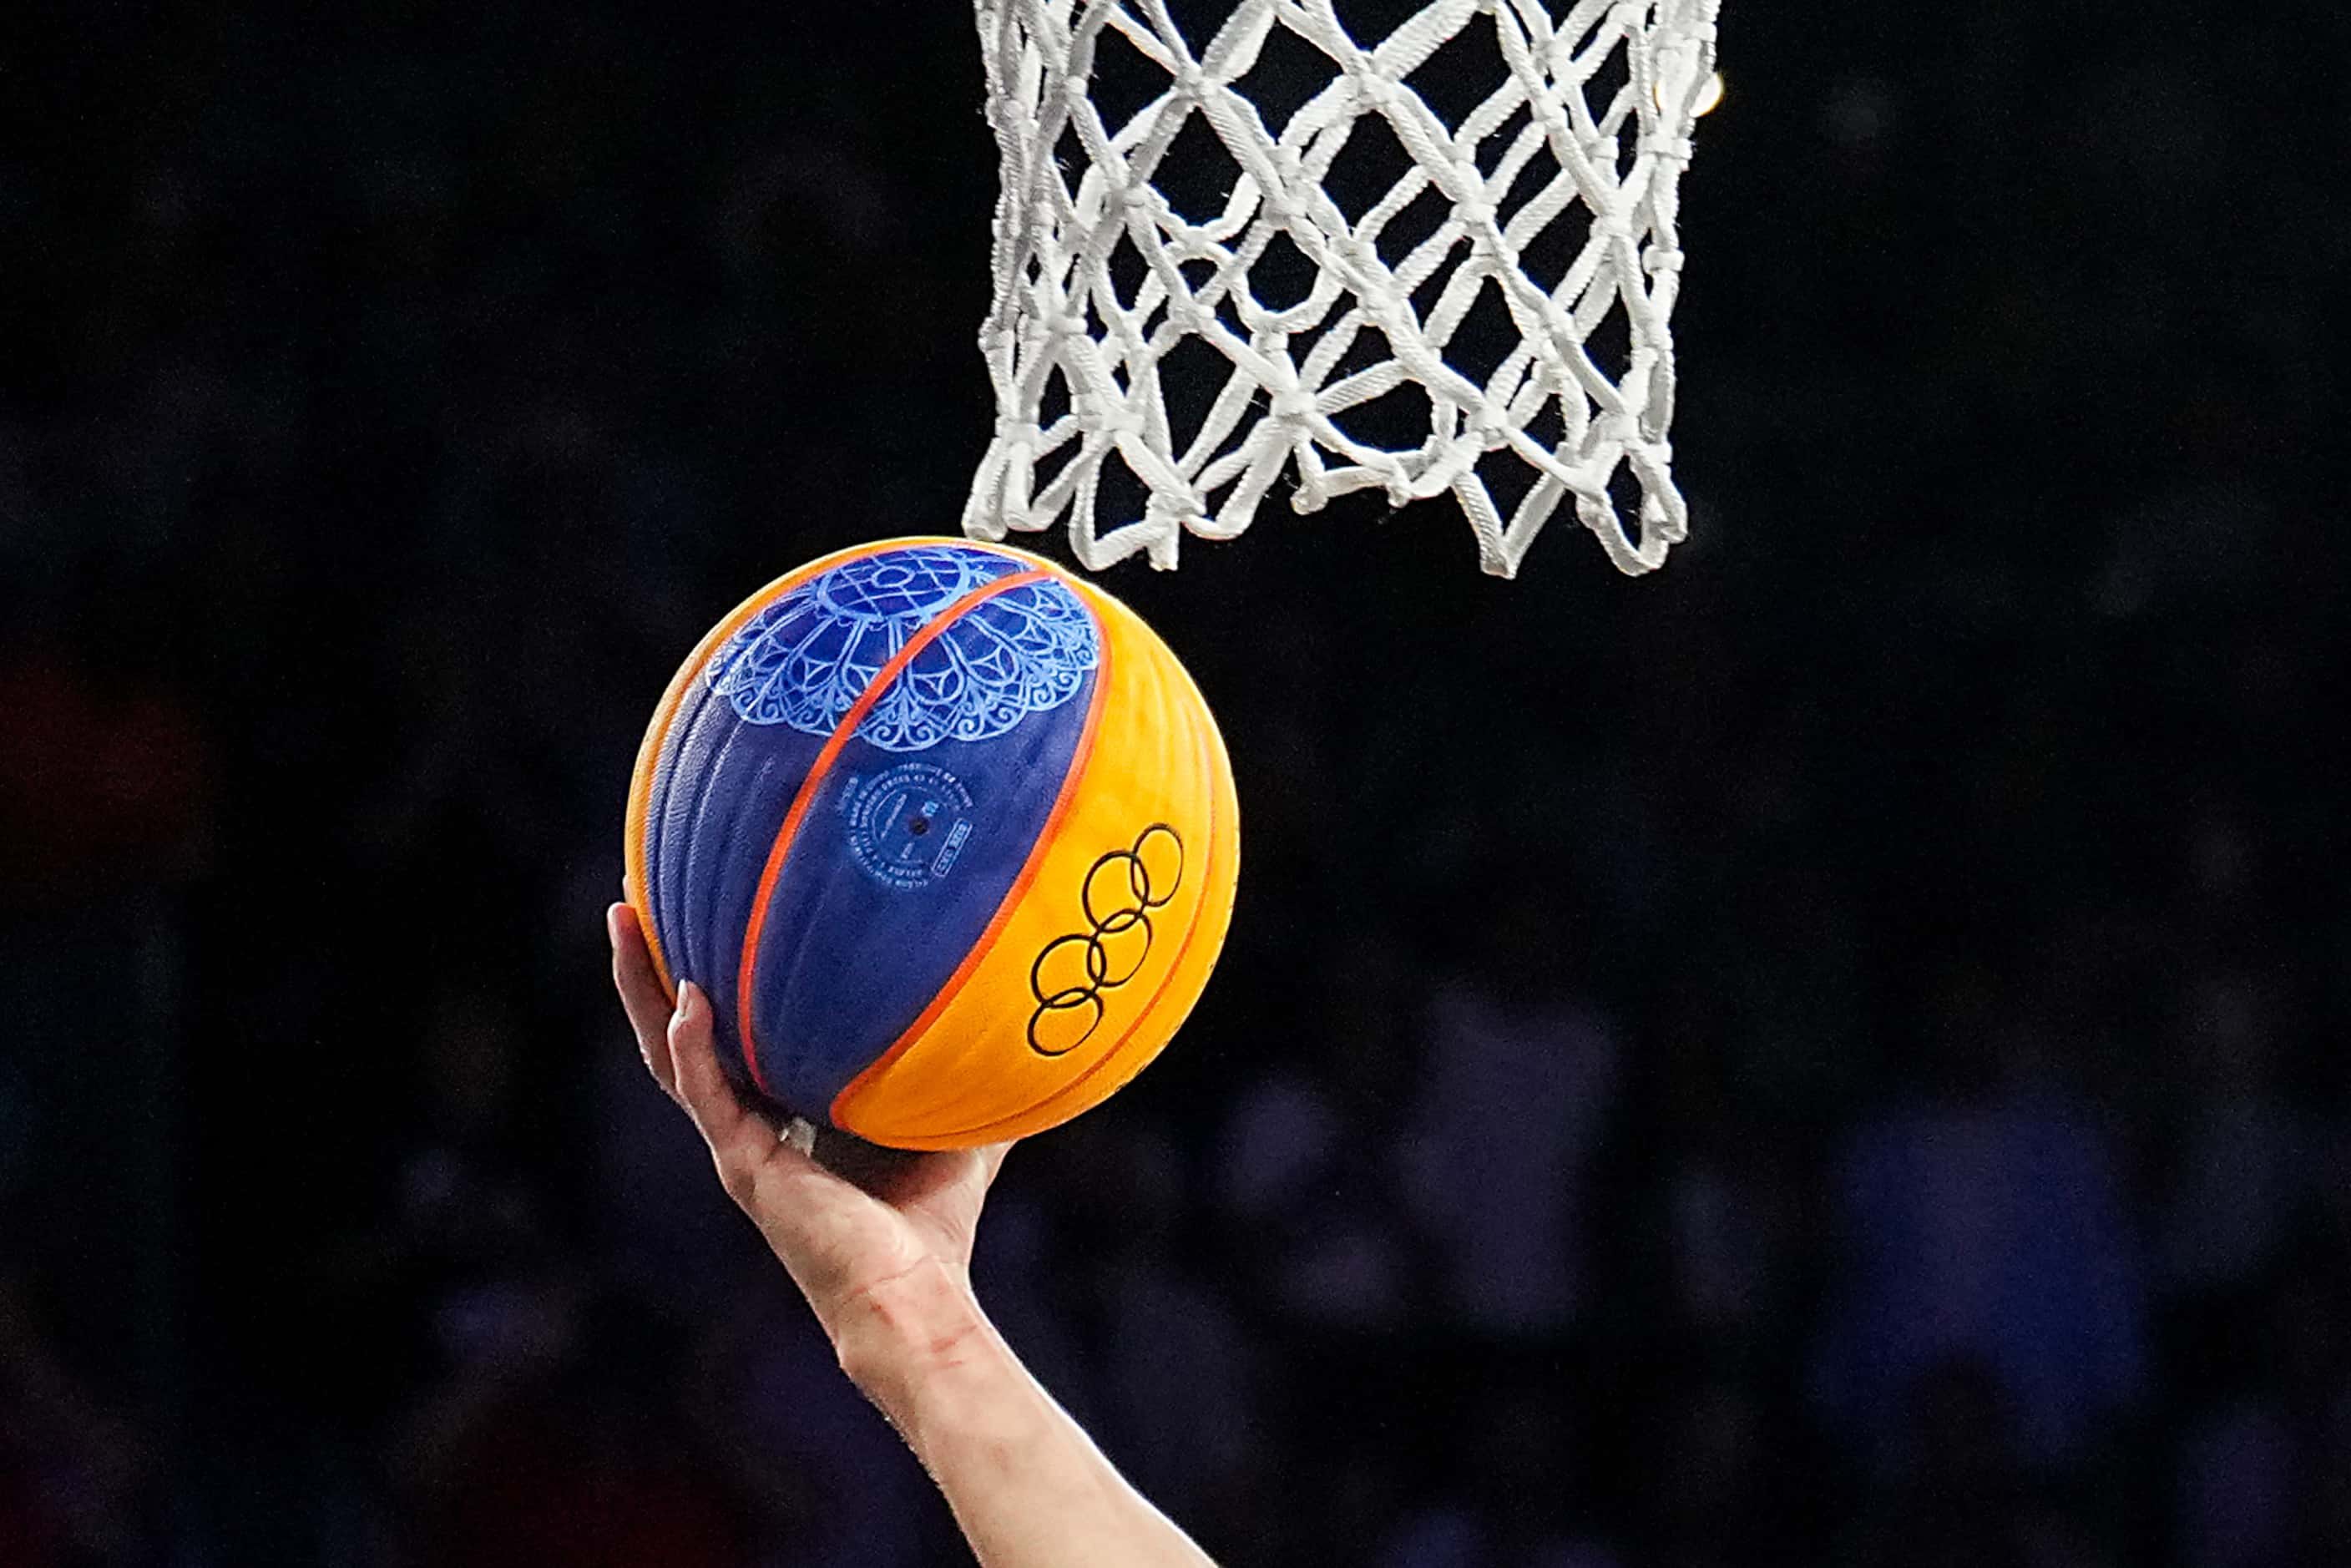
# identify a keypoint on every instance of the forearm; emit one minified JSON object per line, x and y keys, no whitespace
{"x":1027,"y":1485}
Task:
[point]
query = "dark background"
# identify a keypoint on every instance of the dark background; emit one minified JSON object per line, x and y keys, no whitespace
{"x":1828,"y":1054}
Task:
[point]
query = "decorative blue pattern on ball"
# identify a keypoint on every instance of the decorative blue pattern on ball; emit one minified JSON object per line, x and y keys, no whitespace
{"x":805,"y":660}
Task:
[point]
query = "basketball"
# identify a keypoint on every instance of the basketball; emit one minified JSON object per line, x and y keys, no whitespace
{"x":947,"y":834}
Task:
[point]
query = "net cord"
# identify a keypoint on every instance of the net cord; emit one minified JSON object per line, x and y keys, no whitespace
{"x":1058,"y":314}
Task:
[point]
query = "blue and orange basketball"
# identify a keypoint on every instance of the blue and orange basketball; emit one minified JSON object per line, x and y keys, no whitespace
{"x":947,"y":834}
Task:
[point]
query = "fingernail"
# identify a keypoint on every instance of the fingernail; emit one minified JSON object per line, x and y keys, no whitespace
{"x":686,"y":993}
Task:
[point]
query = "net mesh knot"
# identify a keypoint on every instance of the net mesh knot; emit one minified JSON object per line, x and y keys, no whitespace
{"x":1270,"y":255}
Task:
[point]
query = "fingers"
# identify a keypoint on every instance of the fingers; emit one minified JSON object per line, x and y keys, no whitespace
{"x":640,"y":993}
{"x":740,"y":1139}
{"x":678,"y":1045}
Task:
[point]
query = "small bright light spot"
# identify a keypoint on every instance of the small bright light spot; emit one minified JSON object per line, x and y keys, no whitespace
{"x":1708,"y":95}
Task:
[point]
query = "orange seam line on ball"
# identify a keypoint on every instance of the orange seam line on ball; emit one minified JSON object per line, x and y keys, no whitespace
{"x":633,"y":856}
{"x":1038,"y":848}
{"x":747,"y":971}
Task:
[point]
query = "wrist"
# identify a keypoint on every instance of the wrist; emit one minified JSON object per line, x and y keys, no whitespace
{"x":894,"y":1338}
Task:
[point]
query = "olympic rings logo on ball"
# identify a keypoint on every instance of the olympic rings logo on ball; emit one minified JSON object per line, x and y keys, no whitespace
{"x":1121,"y":891}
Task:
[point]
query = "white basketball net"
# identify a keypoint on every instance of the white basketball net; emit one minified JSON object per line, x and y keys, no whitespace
{"x":1099,"y":278}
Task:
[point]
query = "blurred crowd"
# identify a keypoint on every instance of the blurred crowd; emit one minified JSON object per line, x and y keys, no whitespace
{"x":1829,"y":1054}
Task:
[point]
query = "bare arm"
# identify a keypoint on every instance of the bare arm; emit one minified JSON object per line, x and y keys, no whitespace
{"x":885,"y":1263}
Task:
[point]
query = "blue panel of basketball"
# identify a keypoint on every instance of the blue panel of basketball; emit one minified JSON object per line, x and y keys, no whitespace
{"x":895,"y":874}
{"x":916,"y":834}
{"x":720,"y":795}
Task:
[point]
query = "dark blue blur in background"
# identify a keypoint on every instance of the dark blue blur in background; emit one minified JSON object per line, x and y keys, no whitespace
{"x":1832,"y":1054}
